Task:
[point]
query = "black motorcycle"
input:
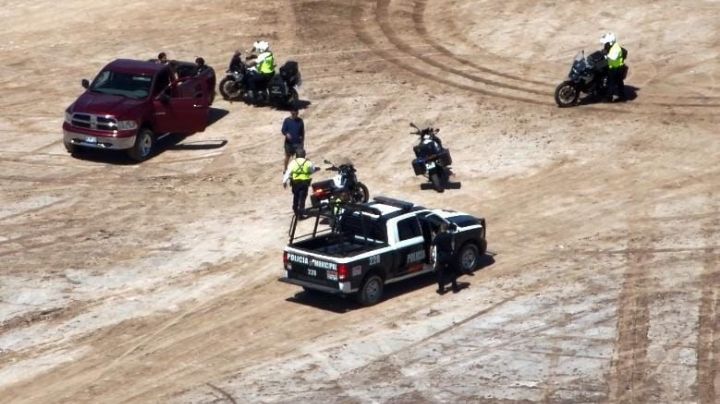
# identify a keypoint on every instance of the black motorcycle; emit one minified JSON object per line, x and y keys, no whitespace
{"x":588,"y":75}
{"x":279,"y":91}
{"x":431,"y":159}
{"x":344,"y":188}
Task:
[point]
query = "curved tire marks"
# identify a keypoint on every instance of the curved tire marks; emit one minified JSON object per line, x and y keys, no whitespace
{"x":418,"y":17}
{"x":381,"y":17}
{"x":488,"y":87}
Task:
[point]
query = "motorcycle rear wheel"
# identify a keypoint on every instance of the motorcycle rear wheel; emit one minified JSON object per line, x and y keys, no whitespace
{"x":361,"y":194}
{"x":566,"y":94}
{"x":437,"y":181}
{"x":230,"y":89}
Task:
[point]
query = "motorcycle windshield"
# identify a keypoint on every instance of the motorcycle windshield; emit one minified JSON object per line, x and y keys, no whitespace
{"x":579,"y":65}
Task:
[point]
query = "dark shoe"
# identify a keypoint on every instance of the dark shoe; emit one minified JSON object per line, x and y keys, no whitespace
{"x":455,"y":288}
{"x":440,"y":291}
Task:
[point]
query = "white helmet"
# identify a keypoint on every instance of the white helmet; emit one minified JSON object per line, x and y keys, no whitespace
{"x":261,"y":46}
{"x":607,"y":38}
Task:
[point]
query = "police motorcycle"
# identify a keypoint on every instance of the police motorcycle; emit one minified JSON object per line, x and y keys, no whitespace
{"x":343,"y":188}
{"x":232,"y":86}
{"x":589,"y":75}
{"x":280,"y":91}
{"x":431,"y":159}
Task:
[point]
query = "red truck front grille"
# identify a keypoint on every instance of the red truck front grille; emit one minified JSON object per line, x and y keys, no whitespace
{"x":97,"y":122}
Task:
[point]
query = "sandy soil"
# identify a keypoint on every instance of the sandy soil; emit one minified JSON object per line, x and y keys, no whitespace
{"x":157,"y":282}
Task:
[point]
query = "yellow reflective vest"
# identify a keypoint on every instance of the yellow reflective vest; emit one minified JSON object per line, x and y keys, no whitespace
{"x":615,"y":56}
{"x":300,"y":169}
{"x":267,"y":66}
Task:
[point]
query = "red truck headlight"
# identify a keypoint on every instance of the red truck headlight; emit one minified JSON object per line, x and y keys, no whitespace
{"x":127,"y":125}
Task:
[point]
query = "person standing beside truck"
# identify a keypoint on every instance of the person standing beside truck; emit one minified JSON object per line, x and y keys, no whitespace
{"x":443,"y":245}
{"x":299,"y":174}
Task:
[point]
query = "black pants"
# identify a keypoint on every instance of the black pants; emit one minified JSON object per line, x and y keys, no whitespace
{"x":257,"y":81}
{"x":300,"y":191}
{"x":445,"y":273}
{"x":616,"y":84}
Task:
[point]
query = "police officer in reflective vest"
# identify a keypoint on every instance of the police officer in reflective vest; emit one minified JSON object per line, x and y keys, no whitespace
{"x":262,"y":68}
{"x":615,"y":55}
{"x":299,"y":173}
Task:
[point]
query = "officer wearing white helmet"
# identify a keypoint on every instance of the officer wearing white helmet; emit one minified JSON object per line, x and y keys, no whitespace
{"x":615,"y":55}
{"x":261,"y":68}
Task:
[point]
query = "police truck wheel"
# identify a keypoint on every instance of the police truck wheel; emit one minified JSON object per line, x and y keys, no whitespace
{"x":144,"y":144}
{"x":371,"y":291}
{"x":468,"y":258}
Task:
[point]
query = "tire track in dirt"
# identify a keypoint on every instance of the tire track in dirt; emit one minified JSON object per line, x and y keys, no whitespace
{"x":418,"y":16}
{"x":382,"y":18}
{"x":358,"y":26}
{"x":708,"y":340}
{"x":627,"y":378}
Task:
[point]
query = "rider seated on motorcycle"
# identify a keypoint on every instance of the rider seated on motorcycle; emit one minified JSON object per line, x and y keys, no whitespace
{"x":261,"y":68}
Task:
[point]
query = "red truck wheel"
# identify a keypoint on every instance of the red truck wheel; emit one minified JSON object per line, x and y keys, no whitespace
{"x":144,"y":144}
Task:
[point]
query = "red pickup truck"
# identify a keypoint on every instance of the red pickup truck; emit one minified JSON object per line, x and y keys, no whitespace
{"x":132,"y":104}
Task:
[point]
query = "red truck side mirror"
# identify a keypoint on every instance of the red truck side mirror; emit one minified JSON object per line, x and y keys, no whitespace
{"x":85,"y":83}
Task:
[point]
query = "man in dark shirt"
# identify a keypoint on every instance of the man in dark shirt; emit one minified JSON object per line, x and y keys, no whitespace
{"x":293,"y":129}
{"x":444,"y":249}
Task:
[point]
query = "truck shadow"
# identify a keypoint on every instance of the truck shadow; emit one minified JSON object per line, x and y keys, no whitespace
{"x":338,"y":304}
{"x":216,"y":114}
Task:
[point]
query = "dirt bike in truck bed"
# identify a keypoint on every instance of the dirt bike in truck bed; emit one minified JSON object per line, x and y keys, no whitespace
{"x":373,"y":244}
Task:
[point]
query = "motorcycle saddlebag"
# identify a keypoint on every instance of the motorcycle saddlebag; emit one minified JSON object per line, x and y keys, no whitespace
{"x":445,"y":158}
{"x":418,"y":167}
{"x":289,"y":71}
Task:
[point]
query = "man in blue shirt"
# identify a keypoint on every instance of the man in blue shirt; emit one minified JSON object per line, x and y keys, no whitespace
{"x":293,"y":129}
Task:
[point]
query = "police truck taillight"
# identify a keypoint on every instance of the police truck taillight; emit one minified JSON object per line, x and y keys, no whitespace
{"x":286,"y":261}
{"x":342,"y":271}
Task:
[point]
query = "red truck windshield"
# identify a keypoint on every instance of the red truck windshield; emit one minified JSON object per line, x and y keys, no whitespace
{"x":124,"y":84}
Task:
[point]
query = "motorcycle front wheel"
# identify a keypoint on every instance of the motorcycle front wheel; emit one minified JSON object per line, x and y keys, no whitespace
{"x":566,"y":94}
{"x":230,"y":89}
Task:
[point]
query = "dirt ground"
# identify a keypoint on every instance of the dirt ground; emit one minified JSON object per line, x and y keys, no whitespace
{"x":156,"y":282}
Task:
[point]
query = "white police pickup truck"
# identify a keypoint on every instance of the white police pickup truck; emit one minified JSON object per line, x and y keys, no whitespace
{"x":377,"y":243}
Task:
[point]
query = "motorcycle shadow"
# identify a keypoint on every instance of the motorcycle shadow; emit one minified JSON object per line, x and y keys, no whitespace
{"x":299,"y":104}
{"x":630,"y":95}
{"x":449,"y":185}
